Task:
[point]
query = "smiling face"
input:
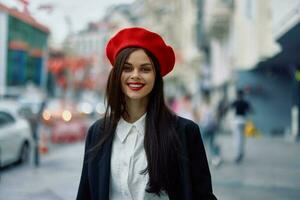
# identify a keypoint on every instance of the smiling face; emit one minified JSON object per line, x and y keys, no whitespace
{"x":138,"y":76}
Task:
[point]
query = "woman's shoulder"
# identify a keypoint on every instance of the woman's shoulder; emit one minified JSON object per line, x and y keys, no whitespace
{"x":95,"y":130}
{"x":182,"y":122}
{"x":187,"y":130}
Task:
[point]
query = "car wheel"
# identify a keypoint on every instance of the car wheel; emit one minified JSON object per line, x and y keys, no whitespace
{"x":24,"y":154}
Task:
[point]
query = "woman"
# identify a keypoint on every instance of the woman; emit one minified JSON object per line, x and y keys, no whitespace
{"x":140,"y":149}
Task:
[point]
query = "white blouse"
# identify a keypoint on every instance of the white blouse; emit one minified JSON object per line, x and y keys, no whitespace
{"x":128,"y":159}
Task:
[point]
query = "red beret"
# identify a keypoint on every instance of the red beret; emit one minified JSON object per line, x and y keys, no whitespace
{"x":140,"y":37}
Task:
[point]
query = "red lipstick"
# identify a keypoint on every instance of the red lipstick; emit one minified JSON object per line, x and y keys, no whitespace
{"x":135,"y":86}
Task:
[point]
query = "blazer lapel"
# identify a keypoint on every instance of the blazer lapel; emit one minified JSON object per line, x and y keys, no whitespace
{"x":104,"y":170}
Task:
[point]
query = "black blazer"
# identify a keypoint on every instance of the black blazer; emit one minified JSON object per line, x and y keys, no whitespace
{"x":195,"y":179}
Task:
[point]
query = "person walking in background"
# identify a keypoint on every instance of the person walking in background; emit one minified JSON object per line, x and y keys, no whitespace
{"x":241,"y":109}
{"x":141,"y":149}
{"x":221,"y":111}
{"x":208,"y":125}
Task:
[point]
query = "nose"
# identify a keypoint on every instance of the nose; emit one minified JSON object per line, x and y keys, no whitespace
{"x":135,"y":74}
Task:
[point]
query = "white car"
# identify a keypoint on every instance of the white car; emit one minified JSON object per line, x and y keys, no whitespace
{"x":15,"y":135}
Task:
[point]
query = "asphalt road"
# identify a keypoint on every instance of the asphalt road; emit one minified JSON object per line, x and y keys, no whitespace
{"x":270,"y":171}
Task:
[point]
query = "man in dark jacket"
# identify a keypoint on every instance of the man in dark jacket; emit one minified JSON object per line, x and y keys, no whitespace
{"x":241,"y":108}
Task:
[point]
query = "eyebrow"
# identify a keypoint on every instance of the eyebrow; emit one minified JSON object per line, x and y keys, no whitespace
{"x":144,"y":64}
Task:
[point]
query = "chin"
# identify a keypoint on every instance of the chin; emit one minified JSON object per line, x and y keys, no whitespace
{"x":136,"y":97}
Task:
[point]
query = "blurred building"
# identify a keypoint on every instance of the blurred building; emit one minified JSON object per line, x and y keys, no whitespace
{"x":23,"y":50}
{"x":238,"y":34}
{"x":90,"y":42}
{"x":238,"y":37}
{"x":216,"y":40}
{"x":69,"y":75}
{"x":274,"y":84}
{"x":176,"y":22}
{"x":121,"y":16}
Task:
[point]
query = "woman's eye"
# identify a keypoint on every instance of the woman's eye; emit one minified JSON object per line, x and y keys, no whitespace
{"x":146,"y":69}
{"x":126,"y":68}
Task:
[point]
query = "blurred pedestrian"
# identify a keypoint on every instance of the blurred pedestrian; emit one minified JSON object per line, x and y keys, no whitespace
{"x":35,"y":120}
{"x":140,"y":149}
{"x":241,"y":109}
{"x":208,"y":126}
{"x":221,"y":111}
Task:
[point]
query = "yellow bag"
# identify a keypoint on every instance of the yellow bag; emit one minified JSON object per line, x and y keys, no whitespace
{"x":250,"y":130}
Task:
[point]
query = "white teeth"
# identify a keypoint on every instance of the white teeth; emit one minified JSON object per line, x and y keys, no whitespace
{"x":135,"y":85}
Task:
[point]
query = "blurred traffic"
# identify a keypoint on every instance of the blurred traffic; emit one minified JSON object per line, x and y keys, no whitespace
{"x":15,"y":135}
{"x":56,"y":120}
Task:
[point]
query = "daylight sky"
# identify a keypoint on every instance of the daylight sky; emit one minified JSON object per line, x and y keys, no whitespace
{"x":79,"y":13}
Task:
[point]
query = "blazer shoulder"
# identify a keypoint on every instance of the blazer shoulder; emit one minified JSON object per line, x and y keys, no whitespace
{"x":94,"y":131}
{"x":186,"y":128}
{"x":185,"y":123}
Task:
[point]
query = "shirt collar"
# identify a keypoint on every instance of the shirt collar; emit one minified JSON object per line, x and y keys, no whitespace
{"x":124,"y":127}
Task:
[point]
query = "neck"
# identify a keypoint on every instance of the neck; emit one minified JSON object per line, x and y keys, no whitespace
{"x":135,"y":109}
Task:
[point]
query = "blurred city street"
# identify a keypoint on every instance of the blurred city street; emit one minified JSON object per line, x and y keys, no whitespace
{"x":269,"y":171}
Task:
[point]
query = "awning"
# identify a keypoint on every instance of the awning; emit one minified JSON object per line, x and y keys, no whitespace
{"x":290,"y":50}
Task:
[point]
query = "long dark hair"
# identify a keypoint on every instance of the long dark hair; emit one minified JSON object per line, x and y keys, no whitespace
{"x":161,"y":142}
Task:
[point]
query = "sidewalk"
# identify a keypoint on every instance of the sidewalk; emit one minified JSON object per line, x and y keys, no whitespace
{"x":270,"y":171}
{"x":57,"y":177}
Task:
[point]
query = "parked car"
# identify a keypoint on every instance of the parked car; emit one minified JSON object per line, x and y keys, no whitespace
{"x":15,"y":135}
{"x":66,"y":132}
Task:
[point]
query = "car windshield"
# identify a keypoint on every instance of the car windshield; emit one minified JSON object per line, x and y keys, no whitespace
{"x":5,"y":118}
